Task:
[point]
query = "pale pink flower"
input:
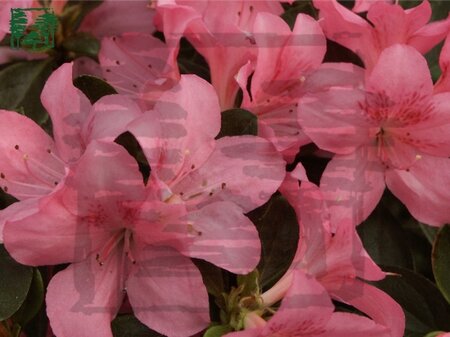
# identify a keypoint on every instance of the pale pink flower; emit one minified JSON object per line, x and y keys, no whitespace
{"x":393,"y":132}
{"x":389,"y":25}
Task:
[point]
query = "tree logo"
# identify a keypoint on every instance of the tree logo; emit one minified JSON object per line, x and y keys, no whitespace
{"x":38,"y":36}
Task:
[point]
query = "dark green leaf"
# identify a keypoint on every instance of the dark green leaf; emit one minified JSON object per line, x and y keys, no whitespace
{"x":238,"y":122}
{"x":191,"y":62}
{"x":217,"y":331}
{"x":278,"y":229}
{"x":93,"y":87}
{"x":425,"y":308}
{"x":441,"y":261}
{"x":33,"y":303}
{"x":15,"y":280}
{"x":82,"y":44}
{"x":21,"y":85}
{"x":213,"y":277}
{"x":383,"y":238}
{"x":130,"y":326}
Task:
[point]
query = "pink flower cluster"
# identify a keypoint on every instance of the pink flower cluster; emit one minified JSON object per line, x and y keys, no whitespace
{"x":82,"y":199}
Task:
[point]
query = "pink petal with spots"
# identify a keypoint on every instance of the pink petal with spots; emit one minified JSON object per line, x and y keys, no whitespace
{"x":28,"y":169}
{"x":68,"y":107}
{"x":246,"y":170}
{"x":134,"y":59}
{"x":84,"y":298}
{"x":423,"y":189}
{"x":175,"y":302}
{"x":393,"y":78}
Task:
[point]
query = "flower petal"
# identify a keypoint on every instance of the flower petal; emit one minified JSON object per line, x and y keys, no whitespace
{"x":352,"y":185}
{"x":109,"y":117}
{"x":246,"y":170}
{"x":392,"y":74}
{"x":374,"y":303}
{"x":225,"y":237}
{"x":28,"y":168}
{"x":49,"y":234}
{"x":425,"y":195}
{"x":334,"y":120}
{"x":182,"y":141}
{"x":68,"y":107}
{"x":305,"y":309}
{"x":84,"y":298}
{"x":175,"y":302}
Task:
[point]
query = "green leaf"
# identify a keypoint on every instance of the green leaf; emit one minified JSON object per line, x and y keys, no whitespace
{"x":21,"y":85}
{"x":278,"y":229}
{"x":191,"y":62}
{"x":213,"y":277}
{"x":15,"y":281}
{"x":217,"y":331}
{"x":425,"y":308}
{"x":93,"y":87}
{"x":238,"y":122}
{"x":82,"y":44}
{"x":383,"y":238}
{"x":441,"y":261}
{"x":33,"y":303}
{"x":130,"y":326}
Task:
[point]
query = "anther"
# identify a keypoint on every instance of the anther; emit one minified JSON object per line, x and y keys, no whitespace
{"x":2,"y":175}
{"x":16,"y":147}
{"x":223,"y":185}
{"x":118,"y":62}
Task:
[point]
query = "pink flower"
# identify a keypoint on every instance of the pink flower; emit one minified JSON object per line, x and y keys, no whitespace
{"x":334,"y":255}
{"x":389,"y":24}
{"x":123,"y":236}
{"x":284,"y":59}
{"x":221,"y":31}
{"x":394,"y":133}
{"x":307,"y":310}
{"x":36,"y":164}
